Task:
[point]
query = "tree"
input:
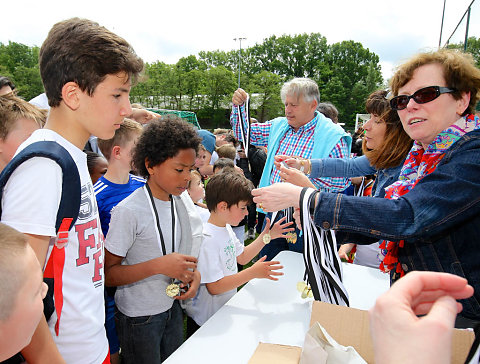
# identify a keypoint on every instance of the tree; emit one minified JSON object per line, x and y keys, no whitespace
{"x":473,"y":47}
{"x":287,"y":56}
{"x":20,"y":63}
{"x":355,"y":72}
{"x":219,"y":86}
{"x":228,"y":60}
{"x":266,"y":87}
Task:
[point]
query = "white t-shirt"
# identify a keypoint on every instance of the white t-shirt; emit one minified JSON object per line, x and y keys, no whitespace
{"x":217,"y":259}
{"x":369,"y":255}
{"x":213,"y":158}
{"x":30,"y":202}
{"x":203,"y":213}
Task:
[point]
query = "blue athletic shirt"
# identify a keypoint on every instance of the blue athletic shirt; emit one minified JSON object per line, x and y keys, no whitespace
{"x":109,"y":194}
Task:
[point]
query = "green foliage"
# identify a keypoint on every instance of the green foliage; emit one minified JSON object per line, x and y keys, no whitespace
{"x":266,"y":87}
{"x":20,"y":63}
{"x":353,"y":73}
{"x":473,"y":47}
{"x":346,"y":73}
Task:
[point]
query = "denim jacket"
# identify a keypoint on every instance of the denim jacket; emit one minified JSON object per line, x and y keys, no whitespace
{"x":439,"y":219}
{"x":355,"y":167}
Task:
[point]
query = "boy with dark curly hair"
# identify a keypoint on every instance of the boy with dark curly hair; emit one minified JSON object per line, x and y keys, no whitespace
{"x":151,"y":246}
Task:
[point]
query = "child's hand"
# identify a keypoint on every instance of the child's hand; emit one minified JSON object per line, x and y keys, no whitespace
{"x":279,"y":229}
{"x":191,"y":287}
{"x":344,"y":250}
{"x":179,"y":266}
{"x":263,"y":269}
{"x":296,"y":217}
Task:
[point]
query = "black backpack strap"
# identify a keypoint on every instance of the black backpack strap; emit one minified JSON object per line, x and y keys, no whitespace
{"x":71,"y":185}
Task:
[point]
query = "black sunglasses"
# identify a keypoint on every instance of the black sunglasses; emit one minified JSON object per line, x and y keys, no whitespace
{"x":421,"y":96}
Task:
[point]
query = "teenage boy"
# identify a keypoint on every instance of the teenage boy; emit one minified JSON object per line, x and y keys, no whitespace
{"x":227,"y":195}
{"x":87,"y":73}
{"x":115,"y":185}
{"x":151,"y":247}
{"x":18,"y":120}
{"x":22,"y":287}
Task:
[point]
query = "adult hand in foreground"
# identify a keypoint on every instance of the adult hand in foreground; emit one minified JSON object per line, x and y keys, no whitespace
{"x":277,"y":196}
{"x":399,"y":336}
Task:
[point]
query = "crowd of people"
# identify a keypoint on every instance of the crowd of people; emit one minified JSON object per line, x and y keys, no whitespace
{"x":136,"y":222}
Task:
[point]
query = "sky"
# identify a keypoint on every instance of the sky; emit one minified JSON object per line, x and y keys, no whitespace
{"x":168,"y":30}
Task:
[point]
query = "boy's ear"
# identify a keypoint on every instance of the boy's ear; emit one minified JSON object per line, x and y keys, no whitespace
{"x":222,"y":206}
{"x":147,"y":166}
{"x":70,"y":95}
{"x":116,"y":151}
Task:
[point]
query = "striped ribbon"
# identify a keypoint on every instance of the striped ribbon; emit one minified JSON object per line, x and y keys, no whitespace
{"x":322,"y":263}
{"x":245,"y":133}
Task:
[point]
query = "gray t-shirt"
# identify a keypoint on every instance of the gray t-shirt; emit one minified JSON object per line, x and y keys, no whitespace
{"x":133,"y":235}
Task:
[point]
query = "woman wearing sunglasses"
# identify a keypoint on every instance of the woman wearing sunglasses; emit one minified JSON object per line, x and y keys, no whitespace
{"x":385,"y":146}
{"x":431,"y":215}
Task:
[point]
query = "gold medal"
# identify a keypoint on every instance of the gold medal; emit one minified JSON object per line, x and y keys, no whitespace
{"x":266,"y":238}
{"x":301,"y":286}
{"x":292,"y":238}
{"x":172,"y":290}
{"x":305,"y":289}
{"x":307,"y":292}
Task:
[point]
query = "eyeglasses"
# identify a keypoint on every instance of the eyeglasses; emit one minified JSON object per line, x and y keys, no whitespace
{"x":421,"y":96}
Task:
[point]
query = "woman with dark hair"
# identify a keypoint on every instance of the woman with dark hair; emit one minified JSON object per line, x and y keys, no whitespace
{"x":385,"y":146}
{"x":431,"y":215}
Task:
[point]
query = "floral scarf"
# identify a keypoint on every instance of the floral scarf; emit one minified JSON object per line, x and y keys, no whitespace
{"x":420,"y":163}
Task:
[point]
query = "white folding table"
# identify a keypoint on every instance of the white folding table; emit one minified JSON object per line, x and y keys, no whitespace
{"x":270,"y":312}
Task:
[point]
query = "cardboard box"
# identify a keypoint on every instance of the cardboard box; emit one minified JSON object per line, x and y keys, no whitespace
{"x":275,"y":354}
{"x":349,"y":327}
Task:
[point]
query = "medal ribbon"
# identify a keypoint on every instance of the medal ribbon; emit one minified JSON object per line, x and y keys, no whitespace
{"x":245,"y":133}
{"x":161,"y":240}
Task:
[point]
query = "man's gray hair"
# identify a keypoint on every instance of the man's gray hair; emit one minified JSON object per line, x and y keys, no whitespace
{"x":301,"y":87}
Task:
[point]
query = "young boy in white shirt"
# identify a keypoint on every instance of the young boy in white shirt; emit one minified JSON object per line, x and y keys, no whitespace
{"x":227,"y":196}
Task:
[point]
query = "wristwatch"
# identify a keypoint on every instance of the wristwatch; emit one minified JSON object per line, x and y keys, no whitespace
{"x":302,"y":166}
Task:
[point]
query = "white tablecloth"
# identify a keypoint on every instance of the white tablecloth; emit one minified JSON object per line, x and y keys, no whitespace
{"x":271,"y":312}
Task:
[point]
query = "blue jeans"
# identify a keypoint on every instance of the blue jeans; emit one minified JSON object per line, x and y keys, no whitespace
{"x":150,"y":339}
{"x":110,"y":328}
{"x":277,"y":245}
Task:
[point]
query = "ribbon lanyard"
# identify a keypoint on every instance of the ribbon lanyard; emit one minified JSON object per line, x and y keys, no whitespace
{"x":160,"y":238}
{"x":245,"y":133}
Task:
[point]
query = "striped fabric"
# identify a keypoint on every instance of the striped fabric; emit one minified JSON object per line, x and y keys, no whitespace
{"x":295,"y":143}
{"x":322,"y":263}
{"x":245,"y":126}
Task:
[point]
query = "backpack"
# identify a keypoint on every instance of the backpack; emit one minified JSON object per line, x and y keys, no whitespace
{"x":67,"y":215}
{"x":257,"y":158}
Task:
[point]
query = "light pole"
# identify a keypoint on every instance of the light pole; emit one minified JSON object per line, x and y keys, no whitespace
{"x":239,"y":57}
